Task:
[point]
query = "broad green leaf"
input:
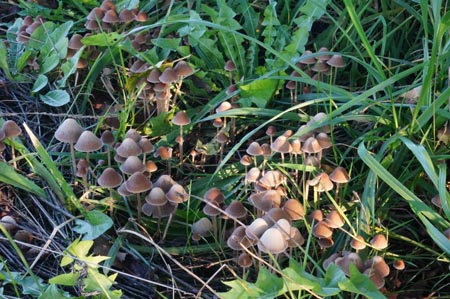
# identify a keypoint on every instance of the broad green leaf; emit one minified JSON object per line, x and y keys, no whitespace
{"x":126,"y":4}
{"x":167,"y":43}
{"x":66,"y":279}
{"x":96,"y":224}
{"x":96,"y":281}
{"x":240,"y":289}
{"x":10,"y":176}
{"x":438,"y":237}
{"x":41,"y":82}
{"x":69,"y":67}
{"x":269,"y":283}
{"x":55,"y":98}
{"x":259,"y":91}
{"x":32,"y":286}
{"x":48,"y":62}
{"x":159,"y":125}
{"x":329,"y":285}
{"x":80,"y":248}
{"x":424,"y":158}
{"x":53,"y":292}
{"x":360,"y":284}
{"x":102,"y":39}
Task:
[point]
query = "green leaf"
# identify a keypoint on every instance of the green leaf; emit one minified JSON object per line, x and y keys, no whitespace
{"x":55,"y":98}
{"x":10,"y":176}
{"x":32,"y":286}
{"x":438,"y":237}
{"x":167,"y":43}
{"x":95,"y":225}
{"x":329,"y":285}
{"x":240,"y":289}
{"x":268,"y":282}
{"x":360,"y":284}
{"x":69,"y":67}
{"x":80,"y":248}
{"x":102,"y":39}
{"x":126,"y":4}
{"x":259,"y":91}
{"x":48,"y":63}
{"x":4,"y":59}
{"x":66,"y":279}
{"x":40,"y":83}
{"x":52,"y":292}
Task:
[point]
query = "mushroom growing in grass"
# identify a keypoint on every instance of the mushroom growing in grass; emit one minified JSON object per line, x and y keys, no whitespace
{"x":136,"y":184}
{"x":110,"y":179}
{"x":181,"y":119}
{"x":88,"y":143}
{"x":157,"y":198}
{"x":272,"y":241}
{"x":379,"y":242}
{"x":235,"y":210}
{"x":69,"y":132}
{"x":339,"y":176}
{"x":176,"y":195}
{"x":201,"y":228}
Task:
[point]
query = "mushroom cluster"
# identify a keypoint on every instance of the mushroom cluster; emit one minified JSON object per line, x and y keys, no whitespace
{"x":28,"y":27}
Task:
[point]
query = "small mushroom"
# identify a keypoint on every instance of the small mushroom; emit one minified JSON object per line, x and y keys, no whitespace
{"x":69,"y":132}
{"x":181,"y":119}
{"x":110,"y":179}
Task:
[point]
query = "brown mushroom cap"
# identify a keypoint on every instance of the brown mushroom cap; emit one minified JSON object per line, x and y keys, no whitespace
{"x":378,"y":264}
{"x":11,"y":129}
{"x":110,"y":17}
{"x":295,"y":238}
{"x":181,"y":119}
{"x":357,"y":243}
{"x":88,"y":142}
{"x":215,"y":194}
{"x":229,"y":66}
{"x":126,"y":15}
{"x":202,"y":227}
{"x":131,"y":165}
{"x":281,"y":145}
{"x":236,"y":210}
{"x":324,"y":140}
{"x":244,"y":260}
{"x":168,"y":76}
{"x":211,"y":208}
{"x":69,"y":131}
{"x":177,"y":194}
{"x":294,"y":209}
{"x":307,"y":60}
{"x":339,"y":175}
{"x":109,"y":178}
{"x":311,"y":146}
{"x":8,"y":223}
{"x":273,"y":178}
{"x":399,"y":265}
{"x":256,"y":228}
{"x":272,"y":241}
{"x":254,"y":149}
{"x":156,"y":197}
{"x":107,"y":137}
{"x":183,"y":69}
{"x":238,"y":239}
{"x":133,"y":134}
{"x":138,"y":183}
{"x":336,"y":61}
{"x":379,"y":242}
{"x":334,"y":219}
{"x":164,"y":182}
{"x":322,"y":230}
{"x":128,"y":147}
{"x":75,"y":42}
{"x":224,"y":106}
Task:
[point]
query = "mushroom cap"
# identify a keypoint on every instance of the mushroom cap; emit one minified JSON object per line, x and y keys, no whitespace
{"x":254,"y":149}
{"x":123,"y":190}
{"x":11,"y":129}
{"x":236,"y":210}
{"x":131,"y":165}
{"x":75,"y":42}
{"x":324,"y":140}
{"x":150,"y":166}
{"x":273,"y":215}
{"x":110,"y":17}
{"x":133,"y":134}
{"x":128,"y":147}
{"x":156,"y":197}
{"x":138,"y":183}
{"x":229,"y":66}
{"x":253,"y":174}
{"x":273,"y":197}
{"x":181,"y":119}
{"x":399,"y":265}
{"x":271,"y":131}
{"x":260,"y":202}
{"x":109,"y":178}
{"x":256,"y":228}
{"x":325,"y":242}
{"x":323,"y":57}
{"x":350,"y":258}
{"x":221,"y":137}
{"x":164,"y":210}
{"x":296,"y":146}
{"x":146,"y":145}
{"x":8,"y":223}
{"x":376,"y":278}
{"x":307,"y":60}
{"x":379,"y":242}
{"x":320,"y":67}
{"x":141,"y":16}
{"x":164,"y":152}
{"x":238,"y":239}
{"x":177,"y":194}
{"x":246,"y":160}
{"x":107,"y":4}
{"x":339,"y":175}
{"x":357,"y":243}
{"x":153,"y":77}
{"x":164,"y":182}
{"x":244,"y":260}
{"x":322,"y":230}
{"x":211,"y":208}
{"x":281,"y":145}
{"x":69,"y":131}
{"x":272,"y":241}
{"x":88,"y":142}
{"x":126,"y":15}
{"x":95,"y":14}
{"x":202,"y":227}
{"x":215,"y":194}
{"x":294,"y":209}
{"x":378,"y":264}
{"x":107,"y":137}
{"x":183,"y":69}
{"x":224,"y":106}
{"x":311,"y":146}
{"x":284,"y":226}
{"x":334,"y":219}
{"x":168,"y":76}
{"x":273,"y":178}
{"x":330,"y":260}
{"x":315,"y":215}
{"x":322,"y":182}
{"x":295,"y":238}
{"x":336,"y":61}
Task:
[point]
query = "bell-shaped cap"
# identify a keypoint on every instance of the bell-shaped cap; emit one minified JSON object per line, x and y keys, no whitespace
{"x":177,"y":194}
{"x":181,"y":119}
{"x":131,"y":165}
{"x":183,"y":69}
{"x":109,"y":178}
{"x":272,"y":241}
{"x":138,"y":183}
{"x":164,"y":182}
{"x":88,"y":142}
{"x":69,"y":131}
{"x":128,"y":147}
{"x":156,"y":197}
{"x":294,"y":209}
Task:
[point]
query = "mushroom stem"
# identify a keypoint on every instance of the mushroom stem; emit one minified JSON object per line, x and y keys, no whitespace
{"x":139,"y":206}
{"x":111,"y":202}
{"x":181,"y":144}
{"x":167,"y":226}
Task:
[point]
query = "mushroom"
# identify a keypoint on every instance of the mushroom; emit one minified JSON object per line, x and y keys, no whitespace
{"x":110,"y":179}
{"x":128,"y":147}
{"x":379,"y":242}
{"x":201,"y":228}
{"x":181,"y":119}
{"x":272,"y":241}
{"x":69,"y":132}
{"x":358,"y":243}
{"x":294,"y":209}
{"x":339,"y":176}
{"x":131,"y":165}
{"x":235,"y":210}
{"x":157,"y":198}
{"x":88,"y":143}
{"x":136,"y":184}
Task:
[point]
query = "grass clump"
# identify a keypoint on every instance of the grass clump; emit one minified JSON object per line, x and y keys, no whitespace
{"x":224,"y":149}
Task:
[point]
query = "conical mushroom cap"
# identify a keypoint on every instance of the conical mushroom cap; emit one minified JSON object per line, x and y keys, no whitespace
{"x":336,"y":61}
{"x":168,"y":76}
{"x":358,"y":243}
{"x":11,"y":129}
{"x":146,"y":145}
{"x":256,"y":228}
{"x":156,"y":197}
{"x":253,"y":174}
{"x":379,"y":242}
{"x":260,"y":202}
{"x":254,"y":149}
{"x":153,"y":77}
{"x":229,"y":66}
{"x":138,"y":183}
{"x":69,"y":131}
{"x":110,"y":17}
{"x":238,"y":239}
{"x":128,"y":147}
{"x":294,"y":209}
{"x":224,"y":106}
{"x":311,"y":146}
{"x":322,"y":230}
{"x":281,"y":145}
{"x":202,"y":227}
{"x":182,"y":69}
{"x":215,"y":194}
{"x":307,"y":60}
{"x":131,"y":165}
{"x":272,"y":241}
{"x":339,"y":175}
{"x":273,"y":178}
{"x":177,"y":194}
{"x":324,"y":140}
{"x":244,"y":260}
{"x":295,"y":238}
{"x":211,"y":208}
{"x":88,"y":142}
{"x":107,"y":137}
{"x":273,"y":215}
{"x":126,"y":15}
{"x":164,"y":152}
{"x":75,"y":42}
{"x":378,"y":264}
{"x":164,"y":182}
{"x":109,"y":178}
{"x":133,"y":134}
{"x":181,"y":119}
{"x":236,"y":210}
{"x":334,"y":219}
